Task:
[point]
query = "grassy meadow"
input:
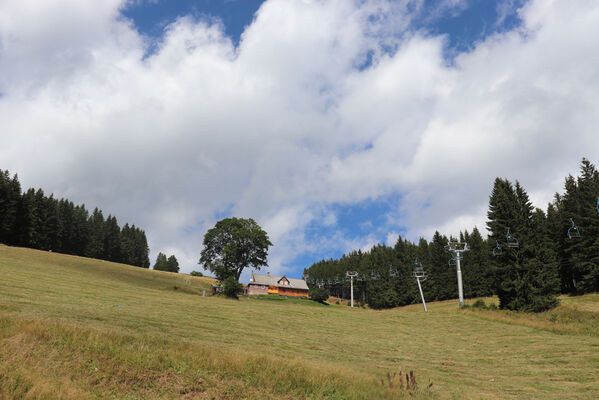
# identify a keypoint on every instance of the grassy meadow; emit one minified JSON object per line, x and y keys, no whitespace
{"x":76,"y":328}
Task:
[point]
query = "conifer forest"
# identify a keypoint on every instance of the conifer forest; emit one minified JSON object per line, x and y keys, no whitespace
{"x":32,"y":219}
{"x":530,"y":256}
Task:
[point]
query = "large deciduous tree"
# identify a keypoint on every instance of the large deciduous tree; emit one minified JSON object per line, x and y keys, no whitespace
{"x":232,"y":245}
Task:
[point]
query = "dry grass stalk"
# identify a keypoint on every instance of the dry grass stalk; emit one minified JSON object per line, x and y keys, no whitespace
{"x":403,"y":383}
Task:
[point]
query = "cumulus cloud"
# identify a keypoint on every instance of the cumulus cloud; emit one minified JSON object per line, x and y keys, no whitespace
{"x":321,"y":103}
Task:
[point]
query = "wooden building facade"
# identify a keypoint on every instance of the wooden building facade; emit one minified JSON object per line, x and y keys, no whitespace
{"x":281,"y":285}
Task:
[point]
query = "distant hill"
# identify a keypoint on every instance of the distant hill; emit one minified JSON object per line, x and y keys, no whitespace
{"x":79,"y":328}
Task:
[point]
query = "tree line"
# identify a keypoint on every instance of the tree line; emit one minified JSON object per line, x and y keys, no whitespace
{"x":529,"y":277}
{"x":32,"y":219}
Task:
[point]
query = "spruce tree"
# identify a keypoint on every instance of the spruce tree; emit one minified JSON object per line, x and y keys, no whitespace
{"x":65,"y":213}
{"x":52,"y":224}
{"x":161,"y":263}
{"x":127,"y":245}
{"x":381,"y":288}
{"x":172,"y":264}
{"x":441,"y":276}
{"x":404,"y":283}
{"x":26,"y":217}
{"x":32,"y":219}
{"x":142,"y":251}
{"x":41,"y":239}
{"x":10,"y":196}
{"x":524,"y":281}
{"x":578,"y":256}
{"x":95,"y":245}
{"x":112,"y":239}
{"x":476,"y":270}
{"x":81,"y":231}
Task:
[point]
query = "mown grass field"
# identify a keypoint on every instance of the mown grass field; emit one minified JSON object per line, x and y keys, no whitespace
{"x":75,"y":328}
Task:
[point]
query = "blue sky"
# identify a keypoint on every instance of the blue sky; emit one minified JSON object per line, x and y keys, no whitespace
{"x":151,"y":17}
{"x":464,"y":21}
{"x":335,"y":124}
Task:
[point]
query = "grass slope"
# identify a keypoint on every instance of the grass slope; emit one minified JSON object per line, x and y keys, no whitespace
{"x":64,"y":335}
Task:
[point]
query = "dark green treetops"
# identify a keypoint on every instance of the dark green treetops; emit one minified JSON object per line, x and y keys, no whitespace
{"x":526,"y":278}
{"x":166,"y":264}
{"x":232,"y":245}
{"x":32,"y":219}
{"x":319,"y":295}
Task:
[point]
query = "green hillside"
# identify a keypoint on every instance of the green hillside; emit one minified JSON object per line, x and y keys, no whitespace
{"x":77,"y":328}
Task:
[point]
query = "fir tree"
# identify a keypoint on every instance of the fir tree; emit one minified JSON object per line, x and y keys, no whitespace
{"x":127,"y":245}
{"x":95,"y":245}
{"x":81,"y":230}
{"x":477,"y":274}
{"x":443,"y":281}
{"x":578,"y":256}
{"x":32,"y":219}
{"x":112,"y":239}
{"x":523,"y":280}
{"x":161,"y":263}
{"x":10,"y":196}
{"x":404,"y":285}
{"x":26,"y":220}
{"x":142,"y":251}
{"x":172,"y":264}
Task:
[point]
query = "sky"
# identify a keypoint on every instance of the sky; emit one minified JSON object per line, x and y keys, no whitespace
{"x":335,"y":124}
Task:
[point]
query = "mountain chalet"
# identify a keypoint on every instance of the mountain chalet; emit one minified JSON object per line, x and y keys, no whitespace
{"x":281,"y":285}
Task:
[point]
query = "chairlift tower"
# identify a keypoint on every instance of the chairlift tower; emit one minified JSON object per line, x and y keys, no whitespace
{"x":457,"y":251}
{"x":420,"y":274}
{"x":352,"y":275}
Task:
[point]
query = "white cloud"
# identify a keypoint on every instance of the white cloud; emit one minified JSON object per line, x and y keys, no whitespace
{"x":392,"y":238}
{"x":291,"y":121}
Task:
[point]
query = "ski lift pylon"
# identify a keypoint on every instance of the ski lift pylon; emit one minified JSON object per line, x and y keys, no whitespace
{"x":573,"y":231}
{"x":511,"y":240}
{"x":497,"y":250}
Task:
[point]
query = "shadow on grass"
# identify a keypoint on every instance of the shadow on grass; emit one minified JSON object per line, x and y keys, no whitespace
{"x":184,"y":289}
{"x":287,"y":300}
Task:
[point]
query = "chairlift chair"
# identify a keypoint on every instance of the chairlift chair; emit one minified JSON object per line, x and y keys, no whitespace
{"x":573,"y":231}
{"x":511,"y":240}
{"x":598,"y":204}
{"x":419,"y":270}
{"x":497,"y":250}
{"x":452,"y":262}
{"x":417,"y":264}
